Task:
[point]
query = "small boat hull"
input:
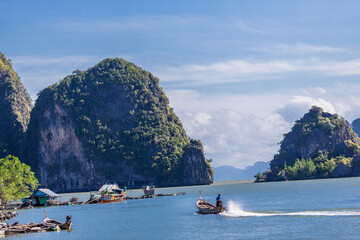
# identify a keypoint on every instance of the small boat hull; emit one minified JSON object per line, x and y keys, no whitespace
{"x":208,"y":208}
{"x":111,"y":198}
{"x":65,"y":226}
{"x":57,"y":224}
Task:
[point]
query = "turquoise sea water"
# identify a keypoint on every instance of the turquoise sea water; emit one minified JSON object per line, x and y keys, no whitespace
{"x":313,"y":209}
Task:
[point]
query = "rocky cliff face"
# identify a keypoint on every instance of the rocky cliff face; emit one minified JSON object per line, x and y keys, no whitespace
{"x":319,"y":145}
{"x":196,"y":168}
{"x":15,"y":107}
{"x":62,"y":161}
{"x":111,"y":123}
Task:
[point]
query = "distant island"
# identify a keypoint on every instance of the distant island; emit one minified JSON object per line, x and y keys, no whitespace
{"x":110,"y":123}
{"x":355,"y":125}
{"x":229,"y":173}
{"x":320,"y":145}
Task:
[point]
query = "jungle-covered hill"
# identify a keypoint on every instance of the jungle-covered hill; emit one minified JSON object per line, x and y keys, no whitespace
{"x":15,"y":107}
{"x":320,"y":145}
{"x":111,"y":123}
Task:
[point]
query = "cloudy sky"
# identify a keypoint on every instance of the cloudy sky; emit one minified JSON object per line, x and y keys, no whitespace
{"x":238,"y":73}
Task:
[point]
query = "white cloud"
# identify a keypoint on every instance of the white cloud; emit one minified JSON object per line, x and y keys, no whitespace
{"x":335,"y":68}
{"x":236,"y":130}
{"x":135,"y":23}
{"x":230,"y":71}
{"x":261,"y":104}
{"x":232,"y":138}
{"x":300,"y":48}
{"x":320,"y":90}
{"x":245,"y":27}
{"x":239,"y":130}
{"x":202,"y":118}
{"x":299,"y":105}
{"x":48,"y":60}
{"x":345,"y":98}
{"x":247,"y":70}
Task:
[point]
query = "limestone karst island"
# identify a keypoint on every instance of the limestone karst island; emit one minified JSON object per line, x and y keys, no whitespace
{"x":320,"y":145}
{"x":111,"y":123}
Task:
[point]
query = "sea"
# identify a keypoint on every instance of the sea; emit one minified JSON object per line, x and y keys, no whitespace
{"x":311,"y":209}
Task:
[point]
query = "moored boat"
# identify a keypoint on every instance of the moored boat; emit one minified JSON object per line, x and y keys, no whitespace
{"x":112,"y":197}
{"x":149,"y":190}
{"x":112,"y":193}
{"x":55,"y":223}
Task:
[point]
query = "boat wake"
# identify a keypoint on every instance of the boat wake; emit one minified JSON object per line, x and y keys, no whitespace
{"x":234,"y":210}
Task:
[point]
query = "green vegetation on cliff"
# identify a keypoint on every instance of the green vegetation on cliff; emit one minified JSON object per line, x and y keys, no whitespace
{"x":319,"y":145}
{"x":15,"y":107}
{"x":122,"y":117}
{"x":16,"y":179}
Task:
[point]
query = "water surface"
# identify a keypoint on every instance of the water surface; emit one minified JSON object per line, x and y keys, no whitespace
{"x":313,"y":209}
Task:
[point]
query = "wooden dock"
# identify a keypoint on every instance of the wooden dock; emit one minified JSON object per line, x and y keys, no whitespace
{"x":7,"y":215}
{"x":47,"y":225}
{"x":155,"y":195}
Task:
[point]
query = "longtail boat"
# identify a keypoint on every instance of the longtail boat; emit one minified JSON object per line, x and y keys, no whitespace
{"x":112,"y":197}
{"x":205,"y":207}
{"x":112,"y":193}
{"x":61,"y":225}
{"x":47,"y":225}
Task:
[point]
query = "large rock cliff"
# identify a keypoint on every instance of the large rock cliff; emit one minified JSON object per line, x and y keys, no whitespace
{"x":319,"y":145}
{"x":111,"y":123}
{"x":196,"y":169}
{"x":15,"y":107}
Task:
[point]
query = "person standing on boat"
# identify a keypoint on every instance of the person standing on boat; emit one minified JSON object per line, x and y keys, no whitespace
{"x":218,"y":201}
{"x":219,"y":204}
{"x":218,"y":198}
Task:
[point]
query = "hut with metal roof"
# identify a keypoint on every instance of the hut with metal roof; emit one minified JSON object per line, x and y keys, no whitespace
{"x":41,"y":196}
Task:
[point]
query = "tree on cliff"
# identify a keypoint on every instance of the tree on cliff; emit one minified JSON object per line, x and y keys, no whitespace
{"x":16,"y":179}
{"x":319,"y":145}
{"x":15,"y":107}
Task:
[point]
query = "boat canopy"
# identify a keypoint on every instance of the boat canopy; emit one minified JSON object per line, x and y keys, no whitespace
{"x":109,"y":188}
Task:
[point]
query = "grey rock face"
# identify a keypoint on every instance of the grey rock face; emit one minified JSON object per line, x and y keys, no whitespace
{"x":342,"y":170}
{"x":196,"y":169}
{"x":356,"y":160}
{"x":62,"y":163}
{"x":356,"y":171}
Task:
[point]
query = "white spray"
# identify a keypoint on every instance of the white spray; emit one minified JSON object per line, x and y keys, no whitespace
{"x":234,"y":209}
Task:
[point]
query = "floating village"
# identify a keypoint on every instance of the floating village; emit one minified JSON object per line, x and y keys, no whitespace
{"x":43,"y":197}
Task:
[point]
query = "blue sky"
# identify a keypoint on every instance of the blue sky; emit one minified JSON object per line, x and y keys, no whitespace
{"x":238,"y":73}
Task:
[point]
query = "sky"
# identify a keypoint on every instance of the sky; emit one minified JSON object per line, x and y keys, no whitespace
{"x":237,"y":73}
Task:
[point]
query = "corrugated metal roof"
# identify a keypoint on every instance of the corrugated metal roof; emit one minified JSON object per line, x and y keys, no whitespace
{"x":45,"y":191}
{"x":109,"y":187}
